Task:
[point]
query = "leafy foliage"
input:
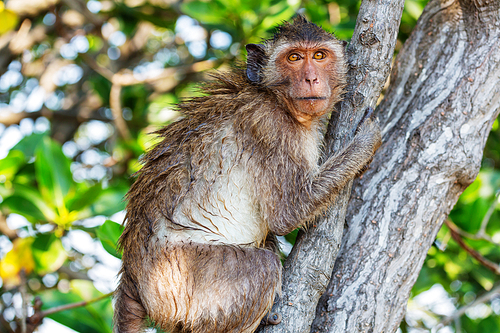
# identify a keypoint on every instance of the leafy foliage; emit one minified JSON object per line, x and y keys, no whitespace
{"x":82,"y":86}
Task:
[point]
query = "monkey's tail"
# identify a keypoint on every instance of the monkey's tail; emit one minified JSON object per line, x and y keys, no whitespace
{"x":129,"y":314}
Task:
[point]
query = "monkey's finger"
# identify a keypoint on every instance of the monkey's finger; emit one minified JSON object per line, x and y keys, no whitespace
{"x":369,"y":114}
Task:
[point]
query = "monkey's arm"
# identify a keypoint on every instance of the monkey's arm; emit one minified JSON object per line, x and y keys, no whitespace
{"x":319,"y":191}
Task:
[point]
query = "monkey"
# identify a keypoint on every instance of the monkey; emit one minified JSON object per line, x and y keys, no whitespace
{"x":200,"y":252}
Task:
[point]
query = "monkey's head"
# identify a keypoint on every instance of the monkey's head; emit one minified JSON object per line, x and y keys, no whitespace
{"x":303,"y":65}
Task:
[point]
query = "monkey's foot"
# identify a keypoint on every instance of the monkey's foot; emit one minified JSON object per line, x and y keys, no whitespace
{"x":271,"y":318}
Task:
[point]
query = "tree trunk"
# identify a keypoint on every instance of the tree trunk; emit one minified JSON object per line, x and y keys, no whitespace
{"x":309,"y":266}
{"x":436,"y":116}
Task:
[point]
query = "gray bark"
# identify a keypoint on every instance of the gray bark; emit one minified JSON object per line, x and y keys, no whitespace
{"x":309,"y":266}
{"x":436,"y":116}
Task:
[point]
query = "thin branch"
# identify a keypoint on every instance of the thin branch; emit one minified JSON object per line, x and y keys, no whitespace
{"x":9,"y":117}
{"x":476,"y":236}
{"x":103,"y":71}
{"x":116,"y":109}
{"x":457,"y":314}
{"x":486,"y":218}
{"x":126,"y":78}
{"x":4,"y":228}
{"x":481,"y":234}
{"x":74,"y":305}
{"x":39,"y":315}
{"x":73,"y":275}
{"x":24,"y":296}
{"x":82,"y":9}
{"x":485,"y":262}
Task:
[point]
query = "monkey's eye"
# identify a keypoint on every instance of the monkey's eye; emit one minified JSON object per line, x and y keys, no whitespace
{"x":293,"y":57}
{"x":319,"y":55}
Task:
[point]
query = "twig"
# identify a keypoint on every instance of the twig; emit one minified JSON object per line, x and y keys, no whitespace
{"x":485,"y":262}
{"x":105,"y":72}
{"x":24,"y":303}
{"x":486,"y":218}
{"x":39,"y":315}
{"x":125,"y":77}
{"x":82,"y":9}
{"x":4,"y":228}
{"x":74,"y":305}
{"x":71,"y":275}
{"x":477,"y":236}
{"x":483,"y":299}
{"x":458,"y":325}
{"x":116,"y":109}
{"x":481,"y":234}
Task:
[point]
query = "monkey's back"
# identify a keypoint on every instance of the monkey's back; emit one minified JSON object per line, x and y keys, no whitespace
{"x":194,"y":184}
{"x":199,"y":182}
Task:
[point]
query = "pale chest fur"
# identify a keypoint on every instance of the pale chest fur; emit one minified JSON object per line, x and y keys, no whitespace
{"x":222,"y":207}
{"x":227,"y":213}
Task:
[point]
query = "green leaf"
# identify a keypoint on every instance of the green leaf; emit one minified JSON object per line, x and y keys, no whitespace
{"x":161,"y":110}
{"x":204,"y":11}
{"x":53,"y":172}
{"x":84,"y":198}
{"x":95,"y":317}
{"x":27,"y":201}
{"x":110,"y":201}
{"x":29,"y":143}
{"x":11,"y":164}
{"x":49,"y":253}
{"x":292,"y":236}
{"x":279,"y":13}
{"x":414,"y":8}
{"x":109,"y":233}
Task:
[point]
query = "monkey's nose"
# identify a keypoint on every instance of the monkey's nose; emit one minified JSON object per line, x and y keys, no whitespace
{"x":313,"y":80}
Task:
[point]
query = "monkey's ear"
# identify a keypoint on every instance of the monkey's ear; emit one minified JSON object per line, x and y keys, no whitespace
{"x":344,"y":44}
{"x":256,"y":56}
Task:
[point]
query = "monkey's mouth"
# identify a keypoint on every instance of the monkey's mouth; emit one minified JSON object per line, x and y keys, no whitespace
{"x":310,"y":98}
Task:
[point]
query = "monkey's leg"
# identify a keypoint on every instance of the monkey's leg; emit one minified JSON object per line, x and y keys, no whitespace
{"x":202,"y":288}
{"x":129,"y":313}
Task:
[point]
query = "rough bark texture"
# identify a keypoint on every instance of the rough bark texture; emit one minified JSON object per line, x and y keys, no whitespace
{"x":436,"y":116}
{"x":309,"y":266}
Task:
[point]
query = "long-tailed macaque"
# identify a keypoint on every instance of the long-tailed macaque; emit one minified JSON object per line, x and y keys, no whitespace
{"x":199,"y":246}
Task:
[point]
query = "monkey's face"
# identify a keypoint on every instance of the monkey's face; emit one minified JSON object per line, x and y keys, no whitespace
{"x":310,"y":70}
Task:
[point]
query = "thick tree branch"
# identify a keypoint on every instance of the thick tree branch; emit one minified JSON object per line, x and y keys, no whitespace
{"x":309,"y":265}
{"x":436,"y":116}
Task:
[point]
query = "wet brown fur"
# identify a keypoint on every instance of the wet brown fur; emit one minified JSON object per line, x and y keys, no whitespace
{"x":241,"y":137}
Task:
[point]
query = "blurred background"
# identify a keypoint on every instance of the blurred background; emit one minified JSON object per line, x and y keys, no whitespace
{"x":82,"y":86}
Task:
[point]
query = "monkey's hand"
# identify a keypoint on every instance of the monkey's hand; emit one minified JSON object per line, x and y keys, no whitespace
{"x":369,"y":132}
{"x":369,"y":114}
